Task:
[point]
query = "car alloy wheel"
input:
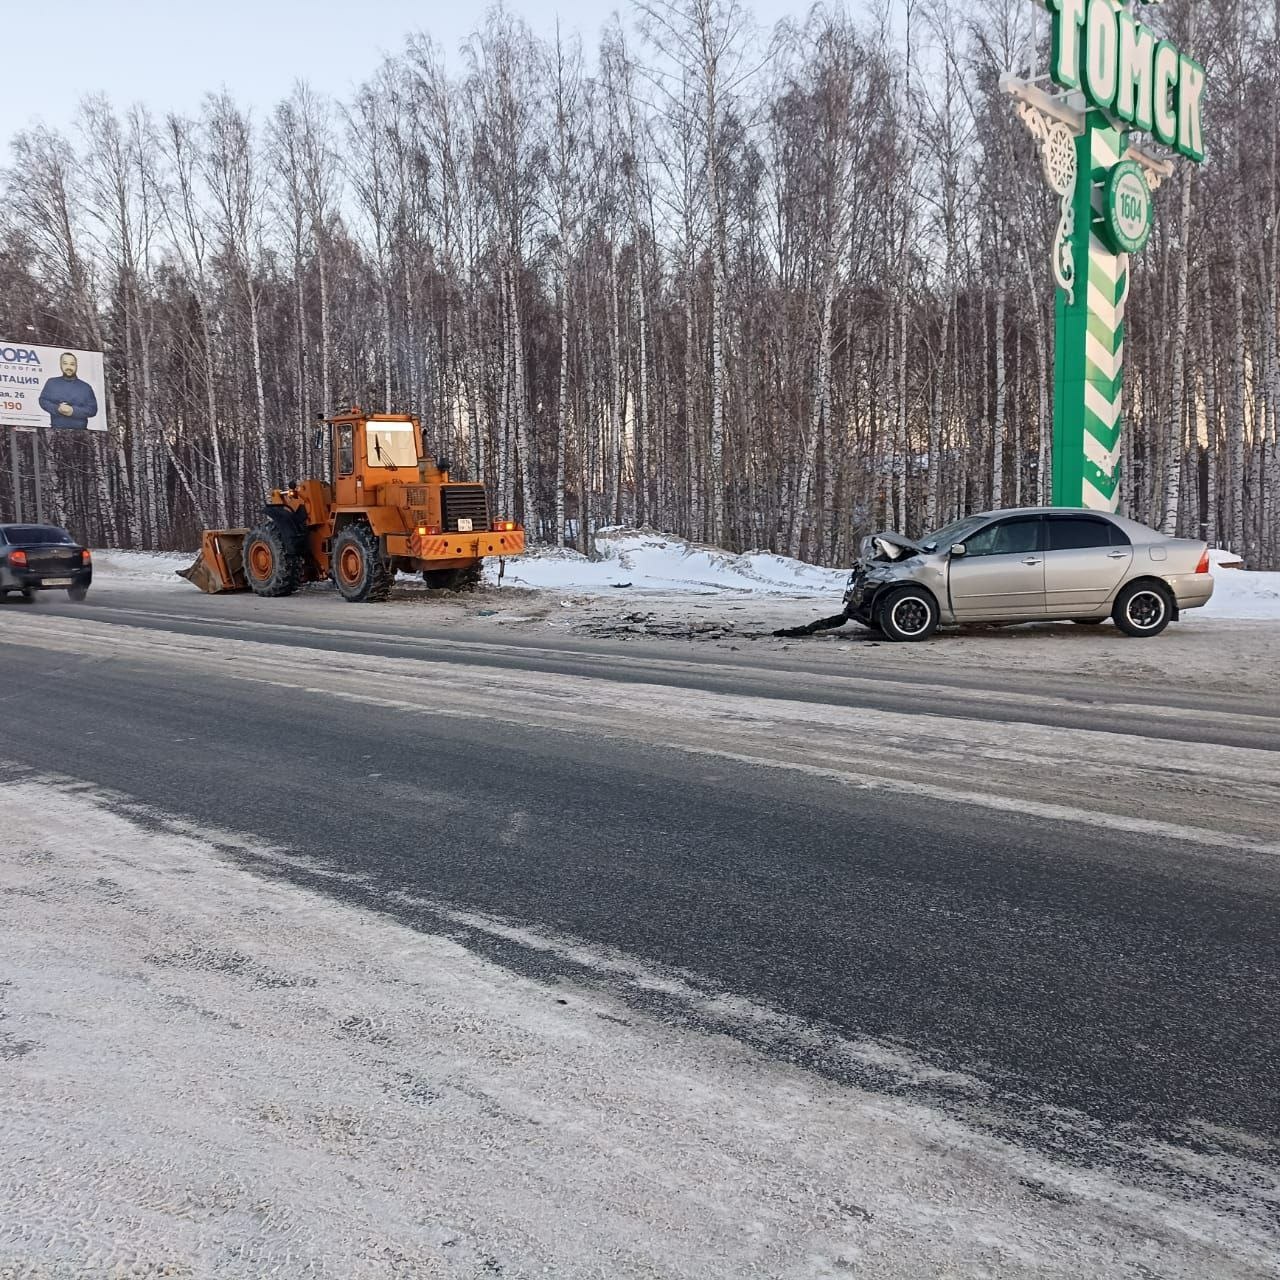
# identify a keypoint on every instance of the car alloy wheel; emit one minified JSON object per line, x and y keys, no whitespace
{"x":910,"y":615}
{"x":906,"y":614}
{"x":1146,"y":610}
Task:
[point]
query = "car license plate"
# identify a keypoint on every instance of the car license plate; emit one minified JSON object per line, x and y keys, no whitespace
{"x":464,"y":526}
{"x":56,"y":582}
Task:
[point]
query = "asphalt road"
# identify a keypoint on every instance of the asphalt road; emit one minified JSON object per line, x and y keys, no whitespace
{"x":1048,"y":975}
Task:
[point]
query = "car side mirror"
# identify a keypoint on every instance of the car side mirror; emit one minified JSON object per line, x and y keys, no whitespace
{"x":958,"y":549}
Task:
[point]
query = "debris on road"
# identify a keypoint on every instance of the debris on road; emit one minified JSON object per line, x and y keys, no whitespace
{"x":812,"y":628}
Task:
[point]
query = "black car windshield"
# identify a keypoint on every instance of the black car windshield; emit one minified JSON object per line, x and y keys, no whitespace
{"x":37,"y":535}
{"x":954,"y":532}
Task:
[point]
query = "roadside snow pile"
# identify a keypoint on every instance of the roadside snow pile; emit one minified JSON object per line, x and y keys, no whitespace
{"x":639,"y":561}
{"x":145,"y":569}
{"x":1243,"y":594}
{"x":1239,"y":593}
{"x":642,"y":560}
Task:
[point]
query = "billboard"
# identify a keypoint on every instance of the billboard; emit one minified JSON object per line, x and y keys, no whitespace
{"x":54,"y":387}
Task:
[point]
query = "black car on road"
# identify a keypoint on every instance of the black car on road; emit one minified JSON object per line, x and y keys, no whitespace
{"x":42,"y":557}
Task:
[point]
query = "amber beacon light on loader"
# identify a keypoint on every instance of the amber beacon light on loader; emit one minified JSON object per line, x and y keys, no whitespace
{"x":389,"y":509}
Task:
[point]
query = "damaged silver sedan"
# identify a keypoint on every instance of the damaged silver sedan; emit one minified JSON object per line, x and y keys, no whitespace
{"x":1033,"y":564}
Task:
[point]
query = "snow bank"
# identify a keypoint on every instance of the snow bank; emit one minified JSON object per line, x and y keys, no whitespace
{"x":149,"y":570}
{"x":638,"y":561}
{"x":642,"y":560}
{"x":1240,"y":593}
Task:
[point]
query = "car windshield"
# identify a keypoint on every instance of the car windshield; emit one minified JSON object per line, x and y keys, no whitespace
{"x":956,"y":531}
{"x":37,"y":535}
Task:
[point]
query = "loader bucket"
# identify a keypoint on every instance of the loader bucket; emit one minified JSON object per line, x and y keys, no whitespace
{"x":220,"y":564}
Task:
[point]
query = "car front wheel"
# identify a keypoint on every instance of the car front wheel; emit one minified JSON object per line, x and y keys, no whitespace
{"x":907,"y":614}
{"x":1143,"y":609}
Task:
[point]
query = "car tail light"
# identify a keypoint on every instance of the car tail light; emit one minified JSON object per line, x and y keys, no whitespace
{"x":85,"y":557}
{"x":1203,"y":566}
{"x":19,"y":558}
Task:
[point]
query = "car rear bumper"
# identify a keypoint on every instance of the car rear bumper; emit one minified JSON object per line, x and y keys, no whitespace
{"x":1191,"y":590}
{"x":43,"y":579}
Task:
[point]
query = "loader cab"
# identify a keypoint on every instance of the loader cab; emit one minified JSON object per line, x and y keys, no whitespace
{"x":370,"y":451}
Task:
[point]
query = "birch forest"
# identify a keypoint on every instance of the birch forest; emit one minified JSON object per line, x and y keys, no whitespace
{"x":758,"y":288}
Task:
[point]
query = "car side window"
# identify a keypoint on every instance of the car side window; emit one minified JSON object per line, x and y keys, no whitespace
{"x":1006,"y":538}
{"x":1077,"y":533}
{"x":1118,"y":536}
{"x":346,"y":449}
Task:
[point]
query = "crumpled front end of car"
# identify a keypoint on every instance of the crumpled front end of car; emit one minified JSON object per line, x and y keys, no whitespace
{"x":885,"y":560}
{"x":881,"y":560}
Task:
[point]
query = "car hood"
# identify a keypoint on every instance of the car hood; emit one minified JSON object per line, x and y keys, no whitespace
{"x":887,"y":546}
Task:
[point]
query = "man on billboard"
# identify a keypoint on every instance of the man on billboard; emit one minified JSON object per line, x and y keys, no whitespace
{"x":69,"y":400}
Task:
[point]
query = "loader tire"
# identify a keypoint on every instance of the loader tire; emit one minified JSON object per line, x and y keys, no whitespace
{"x":271,"y":566}
{"x":453,"y":579}
{"x":359,"y":569}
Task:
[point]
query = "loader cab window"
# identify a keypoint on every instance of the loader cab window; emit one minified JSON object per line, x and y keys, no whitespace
{"x":346,"y":449}
{"x":391,"y":445}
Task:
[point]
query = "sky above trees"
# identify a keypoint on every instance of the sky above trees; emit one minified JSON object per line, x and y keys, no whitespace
{"x":141,"y":51}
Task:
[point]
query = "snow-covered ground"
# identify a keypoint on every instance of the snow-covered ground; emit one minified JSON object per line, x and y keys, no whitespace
{"x":149,"y":570}
{"x":209,"y":1072}
{"x":1240,"y":593}
{"x":642,"y":563}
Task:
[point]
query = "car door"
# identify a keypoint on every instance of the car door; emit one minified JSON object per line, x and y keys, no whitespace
{"x":1085,"y":560}
{"x":1001,"y":574}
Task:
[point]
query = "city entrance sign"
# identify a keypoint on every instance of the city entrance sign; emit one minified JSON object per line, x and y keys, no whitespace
{"x":1119,"y":77}
{"x":1124,"y":68}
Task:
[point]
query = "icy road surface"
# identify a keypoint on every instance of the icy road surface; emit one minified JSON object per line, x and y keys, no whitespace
{"x":404,"y":941}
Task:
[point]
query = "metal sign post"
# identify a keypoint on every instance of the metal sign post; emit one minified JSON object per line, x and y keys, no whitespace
{"x":1118,"y":77}
{"x":36,"y":476}
{"x":15,"y":475}
{"x":16,"y":467}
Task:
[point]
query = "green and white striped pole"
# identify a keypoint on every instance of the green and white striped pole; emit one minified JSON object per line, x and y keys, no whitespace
{"x":1089,"y":361}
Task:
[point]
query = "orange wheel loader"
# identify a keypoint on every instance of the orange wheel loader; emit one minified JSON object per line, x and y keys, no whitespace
{"x":389,"y":509}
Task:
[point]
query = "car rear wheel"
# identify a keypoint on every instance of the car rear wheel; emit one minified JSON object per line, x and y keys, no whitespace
{"x":907,"y":614}
{"x":77,"y":595}
{"x":1143,"y":609}
{"x":29,"y":595}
